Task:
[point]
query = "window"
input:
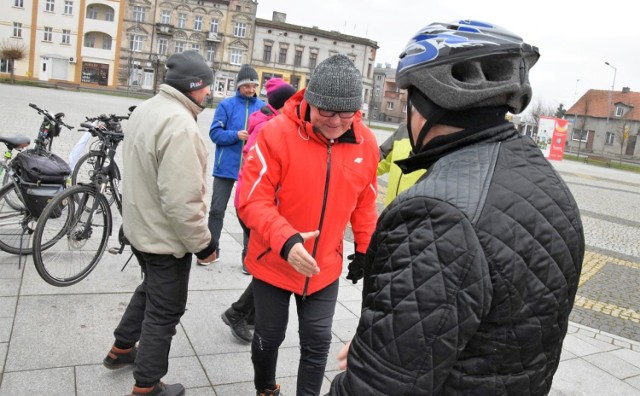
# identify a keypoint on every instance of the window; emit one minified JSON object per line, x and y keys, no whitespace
{"x":108,"y":15}
{"x":619,"y":111}
{"x":92,"y":13}
{"x":404,"y":108}
{"x":162,"y":46}
{"x":211,"y":54}
{"x":136,"y":42}
{"x":18,"y":3}
{"x":197,"y":23}
{"x":49,"y":5}
{"x":106,"y":42}
{"x":182,"y":20}
{"x":608,"y":139}
{"x":68,"y":7}
{"x":378,"y":77}
{"x":4,"y":66}
{"x":165,"y":17}
{"x":195,"y":47}
{"x":66,"y":36}
{"x":17,"y":29}
{"x":282,"y":56}
{"x":179,"y":47}
{"x":48,"y":34}
{"x":138,"y":14}
{"x":266,"y":55}
{"x":579,"y":135}
{"x":89,"y":40}
{"x":239,"y":29}
{"x":313,"y":60}
{"x":369,"y":71}
{"x":389,"y":105}
{"x":297,"y":60}
{"x":236,"y":57}
{"x":238,"y":8}
{"x":214,"y":25}
{"x":377,"y":91}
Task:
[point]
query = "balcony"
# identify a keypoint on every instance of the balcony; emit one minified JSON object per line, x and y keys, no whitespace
{"x":213,"y":36}
{"x":163,"y":28}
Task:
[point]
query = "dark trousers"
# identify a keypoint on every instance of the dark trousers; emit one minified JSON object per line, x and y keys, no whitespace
{"x":245,"y":302}
{"x":153,"y":313}
{"x":219,"y":199}
{"x":315,"y":316}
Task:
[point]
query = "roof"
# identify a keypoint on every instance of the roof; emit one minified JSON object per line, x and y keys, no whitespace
{"x":595,"y":102}
{"x":316,"y":32}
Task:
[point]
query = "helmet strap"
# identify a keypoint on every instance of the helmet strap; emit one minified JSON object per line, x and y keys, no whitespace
{"x":427,"y":109}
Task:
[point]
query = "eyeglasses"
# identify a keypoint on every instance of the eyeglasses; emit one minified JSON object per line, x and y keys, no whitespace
{"x":341,"y":114}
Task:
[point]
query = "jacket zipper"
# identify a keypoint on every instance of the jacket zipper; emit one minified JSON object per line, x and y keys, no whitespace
{"x":324,"y":204}
{"x":246,"y":121}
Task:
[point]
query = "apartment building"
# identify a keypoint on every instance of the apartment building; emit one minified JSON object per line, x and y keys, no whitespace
{"x":65,"y":40}
{"x":291,"y":52}
{"x":221,"y":30}
{"x":389,"y":103}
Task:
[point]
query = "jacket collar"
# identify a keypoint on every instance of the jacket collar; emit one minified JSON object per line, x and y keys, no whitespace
{"x":242,"y":97}
{"x":445,"y":145}
{"x":171,"y":93}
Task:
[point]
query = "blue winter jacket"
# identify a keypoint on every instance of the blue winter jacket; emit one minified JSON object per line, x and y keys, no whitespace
{"x":232,"y":115}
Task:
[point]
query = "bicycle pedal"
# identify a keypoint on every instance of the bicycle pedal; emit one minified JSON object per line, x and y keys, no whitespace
{"x":114,"y":250}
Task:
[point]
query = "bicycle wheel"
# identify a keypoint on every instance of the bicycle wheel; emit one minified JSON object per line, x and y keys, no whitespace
{"x":12,"y":199}
{"x":77,"y":236}
{"x":16,"y":224}
{"x":85,"y":167}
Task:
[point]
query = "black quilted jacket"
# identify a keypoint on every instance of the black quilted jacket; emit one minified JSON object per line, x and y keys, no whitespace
{"x":471,"y":276}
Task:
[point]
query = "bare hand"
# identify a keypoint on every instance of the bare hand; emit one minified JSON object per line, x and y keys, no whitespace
{"x":243,"y":135}
{"x":342,"y":356}
{"x":300,"y":259}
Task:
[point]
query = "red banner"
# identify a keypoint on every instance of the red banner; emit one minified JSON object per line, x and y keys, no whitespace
{"x":556,"y":151}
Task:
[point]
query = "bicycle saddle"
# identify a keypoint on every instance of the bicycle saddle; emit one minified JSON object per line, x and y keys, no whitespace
{"x":17,"y":141}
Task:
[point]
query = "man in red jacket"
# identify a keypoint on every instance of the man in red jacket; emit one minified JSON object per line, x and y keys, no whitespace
{"x":311,"y":171}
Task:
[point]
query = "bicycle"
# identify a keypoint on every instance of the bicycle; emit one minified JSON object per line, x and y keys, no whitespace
{"x":18,"y":143}
{"x":91,"y":161}
{"x":77,"y":223}
{"x":35,"y":175}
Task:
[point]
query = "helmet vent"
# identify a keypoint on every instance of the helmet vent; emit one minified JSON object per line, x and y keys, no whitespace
{"x":497,"y":69}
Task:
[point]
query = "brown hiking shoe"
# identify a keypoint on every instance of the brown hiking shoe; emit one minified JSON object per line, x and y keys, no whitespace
{"x":117,"y":357}
{"x":159,"y":389}
{"x":269,"y":392}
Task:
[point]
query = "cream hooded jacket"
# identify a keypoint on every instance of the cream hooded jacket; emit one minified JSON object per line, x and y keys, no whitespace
{"x":164,"y":183}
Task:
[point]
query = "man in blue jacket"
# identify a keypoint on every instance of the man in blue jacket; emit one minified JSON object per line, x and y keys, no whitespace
{"x":229,"y":132}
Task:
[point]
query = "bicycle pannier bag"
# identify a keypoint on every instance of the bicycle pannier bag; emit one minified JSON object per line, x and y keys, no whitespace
{"x":42,"y":175}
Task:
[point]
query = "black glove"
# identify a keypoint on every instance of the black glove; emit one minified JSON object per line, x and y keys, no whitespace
{"x":356,"y":267}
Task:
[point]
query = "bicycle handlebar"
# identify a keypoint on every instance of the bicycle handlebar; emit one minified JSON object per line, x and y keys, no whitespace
{"x":57,"y":120}
{"x":99,"y":132}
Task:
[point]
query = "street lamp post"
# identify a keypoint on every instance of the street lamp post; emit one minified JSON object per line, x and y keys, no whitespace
{"x":613,"y":85}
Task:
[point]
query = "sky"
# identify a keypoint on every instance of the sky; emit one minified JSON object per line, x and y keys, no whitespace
{"x":575,"y":39}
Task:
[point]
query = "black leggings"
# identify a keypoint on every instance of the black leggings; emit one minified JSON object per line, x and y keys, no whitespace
{"x":315,"y":317}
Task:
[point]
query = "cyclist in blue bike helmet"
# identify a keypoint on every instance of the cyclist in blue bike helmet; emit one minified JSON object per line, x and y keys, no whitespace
{"x":472,"y":272}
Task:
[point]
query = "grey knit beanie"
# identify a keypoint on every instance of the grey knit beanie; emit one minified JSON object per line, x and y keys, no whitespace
{"x":335,"y":85}
{"x":188,"y":72}
{"x":247,"y":75}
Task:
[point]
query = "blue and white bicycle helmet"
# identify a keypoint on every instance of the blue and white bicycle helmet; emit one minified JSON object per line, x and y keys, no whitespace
{"x":468,"y":64}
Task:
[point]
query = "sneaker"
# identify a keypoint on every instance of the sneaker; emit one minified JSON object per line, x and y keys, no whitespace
{"x":205,"y":263}
{"x":269,"y":392}
{"x":238,"y":324}
{"x":159,"y":389}
{"x":117,"y":357}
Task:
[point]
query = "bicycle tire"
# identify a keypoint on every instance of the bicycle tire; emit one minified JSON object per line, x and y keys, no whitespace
{"x":60,"y":264}
{"x":85,"y":165}
{"x":14,"y":222}
{"x":13,"y":200}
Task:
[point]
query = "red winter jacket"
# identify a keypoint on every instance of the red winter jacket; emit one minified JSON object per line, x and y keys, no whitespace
{"x":295,"y":180}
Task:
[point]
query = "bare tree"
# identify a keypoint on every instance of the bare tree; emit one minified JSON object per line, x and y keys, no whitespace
{"x":622,"y":135}
{"x":587,"y":101}
{"x":537,"y":110}
{"x":12,"y":50}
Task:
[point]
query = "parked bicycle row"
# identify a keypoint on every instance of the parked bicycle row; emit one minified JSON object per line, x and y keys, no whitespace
{"x":61,"y":214}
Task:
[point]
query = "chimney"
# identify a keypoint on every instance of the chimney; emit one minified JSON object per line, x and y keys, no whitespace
{"x":626,"y":89}
{"x":279,"y":17}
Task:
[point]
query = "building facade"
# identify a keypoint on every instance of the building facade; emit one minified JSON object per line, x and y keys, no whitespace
{"x":292,"y":52}
{"x":606,"y":123}
{"x":66,"y":40}
{"x":220,"y":30}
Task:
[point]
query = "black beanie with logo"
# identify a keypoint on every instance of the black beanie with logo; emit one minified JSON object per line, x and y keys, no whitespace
{"x":188,"y":72}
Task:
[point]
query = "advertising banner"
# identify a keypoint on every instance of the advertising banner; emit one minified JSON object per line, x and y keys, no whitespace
{"x":551,"y":138}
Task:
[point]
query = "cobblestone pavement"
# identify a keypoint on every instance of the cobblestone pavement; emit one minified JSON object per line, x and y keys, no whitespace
{"x":52,"y":339}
